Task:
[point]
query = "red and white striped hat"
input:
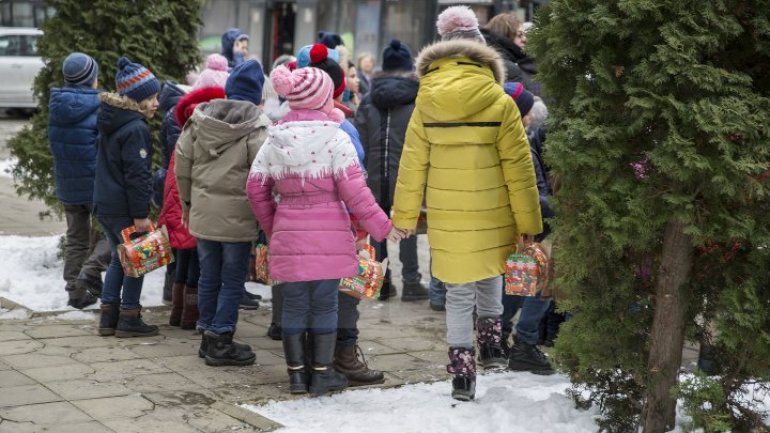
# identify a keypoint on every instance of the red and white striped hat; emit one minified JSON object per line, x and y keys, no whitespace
{"x":306,"y":88}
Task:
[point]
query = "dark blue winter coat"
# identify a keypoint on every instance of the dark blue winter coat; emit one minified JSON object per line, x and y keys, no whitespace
{"x":72,"y":137}
{"x":123,"y":167}
{"x":228,"y":41}
{"x":169,"y":130}
{"x":536,"y":140}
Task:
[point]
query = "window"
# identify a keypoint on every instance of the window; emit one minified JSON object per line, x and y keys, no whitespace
{"x":18,"y":45}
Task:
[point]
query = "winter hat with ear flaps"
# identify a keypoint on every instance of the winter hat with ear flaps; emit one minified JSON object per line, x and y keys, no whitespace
{"x":459,"y":22}
{"x":319,"y":58}
{"x":135,"y":81}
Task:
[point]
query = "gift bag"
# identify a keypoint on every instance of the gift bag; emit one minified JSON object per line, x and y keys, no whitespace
{"x":527,"y":271}
{"x":371,"y":274}
{"x":144,"y":253}
{"x":261,"y":256}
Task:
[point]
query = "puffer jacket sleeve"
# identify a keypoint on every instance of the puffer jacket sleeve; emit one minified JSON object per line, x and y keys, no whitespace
{"x":519,"y":172}
{"x":357,"y":196}
{"x":362,"y":125}
{"x":169,"y":134}
{"x":171,"y":214}
{"x":183,"y":165}
{"x":259,"y":190}
{"x":136,"y":158}
{"x":412,"y":175}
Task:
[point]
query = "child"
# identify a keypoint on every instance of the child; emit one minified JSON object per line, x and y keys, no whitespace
{"x":312,"y":164}
{"x":466,"y":144}
{"x":213,"y":157}
{"x":72,"y":136}
{"x":123,"y":187}
{"x":184,"y":307}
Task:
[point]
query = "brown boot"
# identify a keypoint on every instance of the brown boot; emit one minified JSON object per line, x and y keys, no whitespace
{"x":177,"y":303}
{"x":357,"y":371}
{"x":190,"y":308}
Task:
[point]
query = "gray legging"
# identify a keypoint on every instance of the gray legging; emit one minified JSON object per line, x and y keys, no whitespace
{"x":486,"y":295}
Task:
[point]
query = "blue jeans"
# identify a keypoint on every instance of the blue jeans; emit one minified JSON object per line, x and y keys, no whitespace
{"x":309,"y":305}
{"x":115,"y":279}
{"x":437,"y":292}
{"x":347,"y":318}
{"x":188,"y":269}
{"x":223,"y":267}
{"x":533,"y":308}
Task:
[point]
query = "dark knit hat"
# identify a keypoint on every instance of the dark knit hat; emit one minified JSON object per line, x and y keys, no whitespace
{"x":135,"y":81}
{"x":330,"y":39}
{"x":524,"y":98}
{"x":80,"y":70}
{"x":319,"y":58}
{"x":245,"y":82}
{"x":397,"y":57}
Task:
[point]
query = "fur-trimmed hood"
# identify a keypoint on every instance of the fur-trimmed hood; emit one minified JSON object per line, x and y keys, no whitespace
{"x":461,"y":48}
{"x":117,"y":111}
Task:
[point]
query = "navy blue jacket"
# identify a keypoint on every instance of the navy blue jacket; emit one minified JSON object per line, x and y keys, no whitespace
{"x":228,"y":43}
{"x":169,"y":130}
{"x":536,"y":139}
{"x":72,"y":137}
{"x":123,"y":167}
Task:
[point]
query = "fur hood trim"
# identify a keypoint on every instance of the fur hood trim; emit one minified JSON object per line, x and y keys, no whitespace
{"x":118,"y":101}
{"x":461,"y":48}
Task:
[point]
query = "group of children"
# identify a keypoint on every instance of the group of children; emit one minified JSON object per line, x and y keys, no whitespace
{"x":455,"y":144}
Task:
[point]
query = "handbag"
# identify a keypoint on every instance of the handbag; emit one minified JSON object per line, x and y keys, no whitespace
{"x":527,"y":272}
{"x":371,"y":274}
{"x":145,"y":253}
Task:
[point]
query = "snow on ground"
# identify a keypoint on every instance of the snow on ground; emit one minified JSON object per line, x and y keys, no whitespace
{"x":31,"y":275}
{"x":6,"y":165}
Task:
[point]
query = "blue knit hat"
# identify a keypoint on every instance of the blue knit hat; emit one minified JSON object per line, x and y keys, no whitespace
{"x":80,"y":70}
{"x":524,"y":98}
{"x":397,"y":57}
{"x":303,"y":56}
{"x":135,"y":81}
{"x":245,"y":82}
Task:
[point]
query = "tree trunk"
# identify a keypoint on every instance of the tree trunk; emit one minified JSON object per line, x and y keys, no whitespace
{"x":668,"y":329}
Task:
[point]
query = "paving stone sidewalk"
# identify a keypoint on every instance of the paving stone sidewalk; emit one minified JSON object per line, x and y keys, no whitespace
{"x":61,"y":377}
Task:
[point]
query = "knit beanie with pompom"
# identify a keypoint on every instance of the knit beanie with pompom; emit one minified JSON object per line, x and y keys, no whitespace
{"x":305,"y":89}
{"x":319,"y":58}
{"x":135,"y":81}
{"x":459,"y":22}
{"x":215,"y":74}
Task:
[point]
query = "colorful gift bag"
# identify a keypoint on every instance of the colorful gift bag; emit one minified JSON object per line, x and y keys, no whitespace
{"x":371,"y":274}
{"x":145,"y":253}
{"x":262,"y":271}
{"x":527,"y":271}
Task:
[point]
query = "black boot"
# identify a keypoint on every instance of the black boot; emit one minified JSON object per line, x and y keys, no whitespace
{"x":247,"y":302}
{"x":274,"y":331}
{"x":168,"y":285}
{"x":205,"y":347}
{"x":489,"y":336}
{"x":130,"y":324}
{"x":294,"y":350}
{"x":462,"y":365}
{"x":505,"y":343}
{"x":387,"y":291}
{"x":324,"y":377}
{"x":221,"y":350}
{"x":528,"y":357}
{"x":414,"y":291}
{"x":108,"y":320}
{"x":80,"y":299}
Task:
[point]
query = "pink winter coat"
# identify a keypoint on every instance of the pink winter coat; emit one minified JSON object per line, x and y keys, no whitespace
{"x":313,"y":168}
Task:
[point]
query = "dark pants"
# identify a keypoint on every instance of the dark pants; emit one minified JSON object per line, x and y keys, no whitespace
{"x":115,"y":280}
{"x":533,"y":309}
{"x":309,"y":305}
{"x":549,"y":326}
{"x":86,"y":253}
{"x":223,"y":267}
{"x":187,"y":267}
{"x":347,"y":326}
{"x":410,"y":269}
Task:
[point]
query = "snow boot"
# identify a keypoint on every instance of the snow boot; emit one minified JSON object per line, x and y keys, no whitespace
{"x":347,"y":362}
{"x":462,"y":365}
{"x":168,"y":285}
{"x":177,"y":304}
{"x":108,"y":319}
{"x":204,"y":347}
{"x":414,"y":291}
{"x":274,"y":331}
{"x":387,"y":291}
{"x":488,"y":337}
{"x":189,"y":308}
{"x":528,"y":357}
{"x":130,"y":324}
{"x":221,"y":350}
{"x":324,"y":378}
{"x":81,"y":299}
{"x":294,"y":350}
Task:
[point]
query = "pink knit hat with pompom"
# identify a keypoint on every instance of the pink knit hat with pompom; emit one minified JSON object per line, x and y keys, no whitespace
{"x":459,"y":22}
{"x":215,"y":74}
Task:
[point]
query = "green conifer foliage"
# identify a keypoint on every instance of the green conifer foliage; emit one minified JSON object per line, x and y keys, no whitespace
{"x":160,"y":34}
{"x":660,"y":139}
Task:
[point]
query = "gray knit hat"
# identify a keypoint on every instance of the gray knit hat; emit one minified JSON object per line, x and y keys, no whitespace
{"x":80,"y":70}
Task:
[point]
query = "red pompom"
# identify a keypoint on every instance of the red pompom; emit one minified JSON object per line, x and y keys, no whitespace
{"x":292,"y":65}
{"x":318,"y":53}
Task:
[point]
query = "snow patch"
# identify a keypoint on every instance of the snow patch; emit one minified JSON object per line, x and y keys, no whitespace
{"x":6,"y":165}
{"x":15,"y":314}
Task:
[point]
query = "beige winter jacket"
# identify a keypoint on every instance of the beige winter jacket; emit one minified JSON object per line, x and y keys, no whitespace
{"x":213,"y":158}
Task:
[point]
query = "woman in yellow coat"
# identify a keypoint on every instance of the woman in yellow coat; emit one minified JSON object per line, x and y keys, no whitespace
{"x":466,"y":150}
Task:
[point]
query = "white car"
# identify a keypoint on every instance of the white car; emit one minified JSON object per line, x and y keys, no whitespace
{"x":19,"y":65}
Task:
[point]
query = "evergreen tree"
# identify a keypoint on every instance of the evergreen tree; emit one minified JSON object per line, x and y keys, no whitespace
{"x":160,"y":34}
{"x":660,"y":139}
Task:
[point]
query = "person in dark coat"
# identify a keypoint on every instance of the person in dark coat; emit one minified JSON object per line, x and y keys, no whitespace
{"x":123,"y":187}
{"x":235,"y":46}
{"x":505,"y":33}
{"x":72,"y":136}
{"x":381,"y":121}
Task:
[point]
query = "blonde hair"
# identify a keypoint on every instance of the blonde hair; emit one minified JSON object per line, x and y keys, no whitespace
{"x":361,"y":58}
{"x":505,"y":24}
{"x":344,"y":58}
{"x":144,"y":106}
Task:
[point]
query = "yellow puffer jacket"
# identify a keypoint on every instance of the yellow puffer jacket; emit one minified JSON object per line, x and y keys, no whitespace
{"x":466,"y":148}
